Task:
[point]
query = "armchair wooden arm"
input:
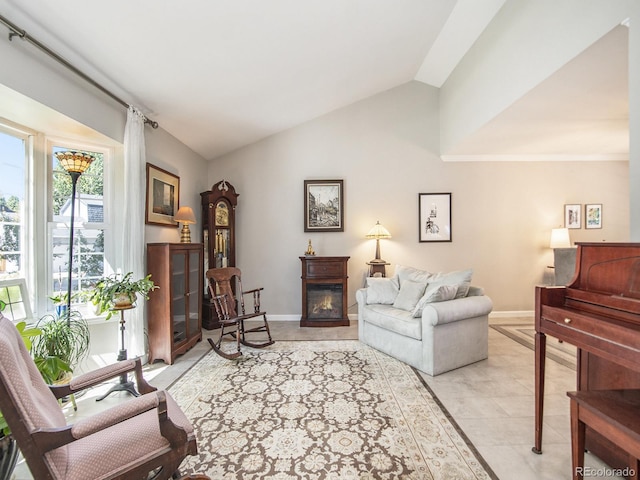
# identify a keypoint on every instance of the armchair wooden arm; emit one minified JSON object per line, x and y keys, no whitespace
{"x":50,"y":438}
{"x":256,"y":299}
{"x":253,"y":290}
{"x":112,"y":416}
{"x":103,"y":374}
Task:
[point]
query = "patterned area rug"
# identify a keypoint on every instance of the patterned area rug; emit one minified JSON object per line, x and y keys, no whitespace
{"x":524,"y":334}
{"x":320,"y":410}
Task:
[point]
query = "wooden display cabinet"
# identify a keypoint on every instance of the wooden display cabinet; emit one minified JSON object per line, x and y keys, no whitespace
{"x":218,"y":236}
{"x":324,"y":291}
{"x":174,"y":309}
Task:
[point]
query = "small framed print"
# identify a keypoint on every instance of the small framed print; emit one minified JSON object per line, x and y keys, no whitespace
{"x":593,"y":215}
{"x":323,"y":206}
{"x":163,"y":192}
{"x":434,"y":217}
{"x":572,"y":216}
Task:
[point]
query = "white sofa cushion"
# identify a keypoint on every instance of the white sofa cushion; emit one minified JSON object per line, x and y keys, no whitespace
{"x":461,"y":278}
{"x":382,"y":290}
{"x":413,"y":274}
{"x":395,"y":320}
{"x":438,"y":293}
{"x":410,"y":293}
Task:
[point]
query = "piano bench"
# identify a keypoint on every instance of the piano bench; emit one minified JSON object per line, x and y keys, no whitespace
{"x":614,"y":414}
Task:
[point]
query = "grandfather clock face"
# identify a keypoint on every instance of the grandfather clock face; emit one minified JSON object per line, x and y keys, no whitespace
{"x":222,"y":215}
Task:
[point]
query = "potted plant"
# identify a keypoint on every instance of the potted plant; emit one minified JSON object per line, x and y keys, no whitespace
{"x":120,"y":291}
{"x":61,"y":345}
{"x":60,"y":301}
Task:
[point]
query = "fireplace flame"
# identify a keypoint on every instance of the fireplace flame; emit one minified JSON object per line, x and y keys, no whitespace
{"x":323,"y":305}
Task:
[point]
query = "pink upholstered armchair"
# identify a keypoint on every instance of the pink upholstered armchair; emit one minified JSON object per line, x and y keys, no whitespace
{"x":145,"y":434}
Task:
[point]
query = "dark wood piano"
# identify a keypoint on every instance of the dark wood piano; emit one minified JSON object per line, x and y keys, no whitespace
{"x":599,"y":313}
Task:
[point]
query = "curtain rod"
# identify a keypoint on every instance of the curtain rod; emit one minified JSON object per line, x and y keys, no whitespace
{"x":16,"y":31}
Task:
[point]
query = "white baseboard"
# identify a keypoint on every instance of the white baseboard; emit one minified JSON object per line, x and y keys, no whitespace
{"x":283,"y":318}
{"x":512,"y":313}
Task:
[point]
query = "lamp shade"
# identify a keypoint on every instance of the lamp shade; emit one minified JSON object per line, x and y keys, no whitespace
{"x":185,"y":215}
{"x":74,"y":162}
{"x":378,"y":231}
{"x":560,"y":238}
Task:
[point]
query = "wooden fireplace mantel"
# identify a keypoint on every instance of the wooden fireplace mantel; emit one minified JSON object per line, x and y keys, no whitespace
{"x":330,"y":273}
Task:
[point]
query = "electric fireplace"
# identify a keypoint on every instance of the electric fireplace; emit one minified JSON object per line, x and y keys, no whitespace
{"x":324,"y":291}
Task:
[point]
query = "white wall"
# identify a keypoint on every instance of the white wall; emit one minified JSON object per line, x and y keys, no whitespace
{"x":634,"y":122}
{"x":386,"y":150}
{"x":164,"y":151}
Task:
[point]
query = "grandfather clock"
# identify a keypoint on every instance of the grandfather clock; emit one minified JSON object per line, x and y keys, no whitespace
{"x":218,"y":236}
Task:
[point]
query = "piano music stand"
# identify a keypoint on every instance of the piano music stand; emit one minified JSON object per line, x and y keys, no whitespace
{"x":124,"y":385}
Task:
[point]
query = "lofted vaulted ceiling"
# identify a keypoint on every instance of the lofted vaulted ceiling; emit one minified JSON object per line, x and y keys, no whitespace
{"x":221,"y":75}
{"x":579,"y":112}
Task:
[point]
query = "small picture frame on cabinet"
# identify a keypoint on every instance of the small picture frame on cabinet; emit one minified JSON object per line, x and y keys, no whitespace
{"x":572,"y":216}
{"x":593,"y":215}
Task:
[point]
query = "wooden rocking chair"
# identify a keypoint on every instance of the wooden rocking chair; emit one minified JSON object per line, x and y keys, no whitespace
{"x":227,"y":296}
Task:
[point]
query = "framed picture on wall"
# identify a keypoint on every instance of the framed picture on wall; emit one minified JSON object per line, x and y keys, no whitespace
{"x":434,"y":217}
{"x":572,"y":216}
{"x":593,"y":215}
{"x":323,"y":206}
{"x":163,"y":192}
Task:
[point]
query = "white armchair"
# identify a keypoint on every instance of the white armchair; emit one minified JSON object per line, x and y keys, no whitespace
{"x":435,"y":336}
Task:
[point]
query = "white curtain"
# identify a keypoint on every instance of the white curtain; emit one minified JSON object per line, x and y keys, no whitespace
{"x":133,"y":241}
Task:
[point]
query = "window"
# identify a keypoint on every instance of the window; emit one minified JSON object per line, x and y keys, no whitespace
{"x":14,"y":294}
{"x":89,"y":227}
{"x":35,"y":211}
{"x":12,"y":201}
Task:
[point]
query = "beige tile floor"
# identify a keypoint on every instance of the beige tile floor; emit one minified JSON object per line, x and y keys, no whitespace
{"x":492,"y":402}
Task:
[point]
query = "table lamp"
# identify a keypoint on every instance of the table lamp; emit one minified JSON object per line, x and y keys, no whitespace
{"x":560,"y":238}
{"x":185,"y":216}
{"x":378,"y":232}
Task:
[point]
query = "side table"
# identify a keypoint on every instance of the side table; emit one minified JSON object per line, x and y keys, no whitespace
{"x":124,"y":385}
{"x":378,"y":269}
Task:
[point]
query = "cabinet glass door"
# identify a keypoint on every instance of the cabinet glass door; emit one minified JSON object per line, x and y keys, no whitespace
{"x":178,"y":300}
{"x":194,"y":282}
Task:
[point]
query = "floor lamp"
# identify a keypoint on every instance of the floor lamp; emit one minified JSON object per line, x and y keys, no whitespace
{"x":75,"y":164}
